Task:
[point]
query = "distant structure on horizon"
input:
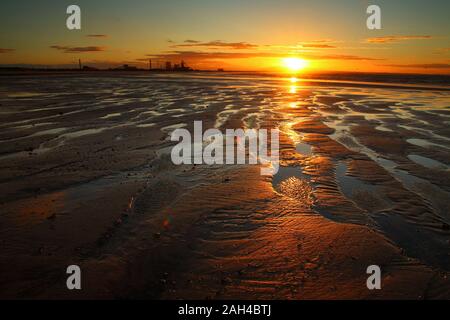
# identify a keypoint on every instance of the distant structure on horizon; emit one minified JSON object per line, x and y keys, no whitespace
{"x":177,"y":67}
{"x":157,"y":65}
{"x":153,"y":66}
{"x":126,"y":67}
{"x":87,"y":68}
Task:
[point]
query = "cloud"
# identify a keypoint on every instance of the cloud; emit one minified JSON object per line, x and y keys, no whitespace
{"x":97,"y":35}
{"x":68,"y":49}
{"x":201,"y":55}
{"x":196,"y":55}
{"x":313,"y":44}
{"x":320,"y":41}
{"x":216,"y":44}
{"x":4,"y":50}
{"x":421,"y":65}
{"x":388,"y":39}
{"x":317,"y":46}
{"x":338,"y":57}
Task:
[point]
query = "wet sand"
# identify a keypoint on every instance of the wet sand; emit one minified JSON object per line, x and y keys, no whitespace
{"x":86,"y":178}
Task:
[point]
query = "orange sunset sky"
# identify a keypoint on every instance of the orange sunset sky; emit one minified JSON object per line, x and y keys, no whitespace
{"x":235,"y":35}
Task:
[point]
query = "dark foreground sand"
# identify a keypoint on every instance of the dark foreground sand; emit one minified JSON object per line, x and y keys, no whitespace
{"x":86,"y":179}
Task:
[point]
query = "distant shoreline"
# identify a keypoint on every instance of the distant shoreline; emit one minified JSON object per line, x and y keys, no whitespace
{"x":385,"y":80}
{"x":4,"y":69}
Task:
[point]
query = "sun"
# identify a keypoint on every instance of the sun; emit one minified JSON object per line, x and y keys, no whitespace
{"x":295,"y":64}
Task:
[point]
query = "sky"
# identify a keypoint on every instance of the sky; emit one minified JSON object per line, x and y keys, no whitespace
{"x":255,"y":35}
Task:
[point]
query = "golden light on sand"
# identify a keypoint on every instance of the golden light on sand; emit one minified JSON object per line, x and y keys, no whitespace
{"x":294,"y":64}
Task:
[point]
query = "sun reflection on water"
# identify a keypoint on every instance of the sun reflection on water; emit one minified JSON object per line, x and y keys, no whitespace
{"x":293,"y":87}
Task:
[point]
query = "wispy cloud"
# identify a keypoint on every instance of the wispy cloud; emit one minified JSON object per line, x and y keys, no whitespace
{"x":317,"y":46}
{"x":97,"y":36}
{"x":68,"y":49}
{"x":196,"y":55}
{"x":388,"y":39}
{"x":5,"y":50}
{"x":421,"y":65}
{"x":219,"y":44}
{"x":201,"y":55}
{"x":216,"y":44}
{"x":339,"y":57}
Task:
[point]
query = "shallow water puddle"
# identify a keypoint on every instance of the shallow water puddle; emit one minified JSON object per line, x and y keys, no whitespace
{"x":303,"y":148}
{"x":426,"y":132}
{"x":424,"y":143}
{"x":25,"y":95}
{"x":173,"y":127}
{"x":288,"y":172}
{"x":427,"y":162}
{"x":408,"y":180}
{"x":350,"y":185}
{"x":383,"y":128}
{"x":81,"y":133}
{"x":340,"y":128}
{"x":421,"y":187}
{"x":293,"y":183}
{"x":48,"y":132}
{"x":145,"y":125}
{"x":111,"y":115}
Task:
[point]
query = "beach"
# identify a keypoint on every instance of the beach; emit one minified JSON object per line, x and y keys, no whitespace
{"x":87,"y":179}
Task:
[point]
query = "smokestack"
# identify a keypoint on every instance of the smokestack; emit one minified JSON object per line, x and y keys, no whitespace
{"x":79,"y":63}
